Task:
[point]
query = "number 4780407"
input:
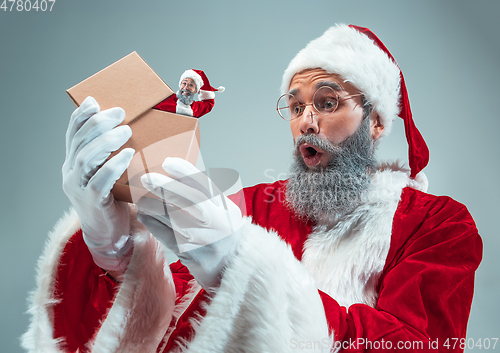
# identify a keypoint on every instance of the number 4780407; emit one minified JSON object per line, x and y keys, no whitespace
{"x":27,"y":5}
{"x":471,"y":343}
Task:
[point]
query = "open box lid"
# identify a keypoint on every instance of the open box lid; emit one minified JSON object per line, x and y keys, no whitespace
{"x":128,"y":83}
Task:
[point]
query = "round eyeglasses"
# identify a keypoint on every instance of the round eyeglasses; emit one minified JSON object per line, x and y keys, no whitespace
{"x":325,"y":101}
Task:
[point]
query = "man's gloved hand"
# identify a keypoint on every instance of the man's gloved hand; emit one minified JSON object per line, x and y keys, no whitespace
{"x":192,"y":218}
{"x":91,"y":137}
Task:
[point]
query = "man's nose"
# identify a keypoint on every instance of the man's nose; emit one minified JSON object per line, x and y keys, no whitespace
{"x":308,"y":120}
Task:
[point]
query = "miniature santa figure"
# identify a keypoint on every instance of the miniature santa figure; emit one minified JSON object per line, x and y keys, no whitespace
{"x":191,"y":82}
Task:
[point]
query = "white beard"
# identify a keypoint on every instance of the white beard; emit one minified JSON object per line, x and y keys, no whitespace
{"x":187,"y":100}
{"x":324,"y":194}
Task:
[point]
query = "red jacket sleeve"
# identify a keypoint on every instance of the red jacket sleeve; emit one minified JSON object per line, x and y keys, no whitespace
{"x":85,"y":295}
{"x":167,"y":105}
{"x":201,"y":108}
{"x":425,"y":290}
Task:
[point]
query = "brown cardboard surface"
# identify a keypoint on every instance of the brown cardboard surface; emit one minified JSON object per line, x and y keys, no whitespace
{"x":155,"y":136}
{"x":128,"y":83}
{"x":132,"y":85}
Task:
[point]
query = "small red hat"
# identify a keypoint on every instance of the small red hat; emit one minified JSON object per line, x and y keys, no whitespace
{"x":202,"y":84}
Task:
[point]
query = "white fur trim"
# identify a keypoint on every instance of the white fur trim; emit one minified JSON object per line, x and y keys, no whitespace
{"x":133,"y":324}
{"x":420,"y":182}
{"x":204,"y":95}
{"x":180,"y":309}
{"x":142,"y":309}
{"x":267,"y":302}
{"x":352,"y":55}
{"x":183,"y":109}
{"x":194,"y":76}
{"x":346,"y":258}
{"x":39,"y":337}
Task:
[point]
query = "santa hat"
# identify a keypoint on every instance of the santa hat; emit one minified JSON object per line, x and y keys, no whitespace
{"x":356,"y":54}
{"x":203,"y":87}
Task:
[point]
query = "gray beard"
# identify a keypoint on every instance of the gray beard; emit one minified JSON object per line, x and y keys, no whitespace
{"x":187,"y":100}
{"x":323,"y":195}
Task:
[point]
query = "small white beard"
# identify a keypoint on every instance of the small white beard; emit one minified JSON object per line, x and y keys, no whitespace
{"x":187,"y":100}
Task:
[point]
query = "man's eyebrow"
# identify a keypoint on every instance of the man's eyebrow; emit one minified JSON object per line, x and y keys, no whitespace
{"x":333,"y":85}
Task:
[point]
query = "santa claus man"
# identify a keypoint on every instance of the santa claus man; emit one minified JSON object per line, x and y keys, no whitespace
{"x":347,"y":254}
{"x":191,"y":82}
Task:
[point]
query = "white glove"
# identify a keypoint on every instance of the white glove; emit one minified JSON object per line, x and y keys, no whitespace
{"x":192,"y":218}
{"x":91,"y":137}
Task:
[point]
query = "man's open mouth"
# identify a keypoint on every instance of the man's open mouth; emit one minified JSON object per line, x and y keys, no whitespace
{"x":311,"y":154}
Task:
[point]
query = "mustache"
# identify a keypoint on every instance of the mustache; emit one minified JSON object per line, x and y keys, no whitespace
{"x":359,"y":140}
{"x":319,"y":142}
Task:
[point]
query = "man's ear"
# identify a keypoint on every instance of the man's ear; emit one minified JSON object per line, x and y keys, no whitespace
{"x":376,"y":127}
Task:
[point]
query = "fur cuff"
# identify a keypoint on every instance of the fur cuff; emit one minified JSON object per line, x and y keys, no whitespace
{"x":142,"y":309}
{"x":39,"y":337}
{"x":204,"y":95}
{"x":267,"y":302}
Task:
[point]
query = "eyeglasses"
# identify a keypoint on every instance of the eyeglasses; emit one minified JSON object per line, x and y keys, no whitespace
{"x":325,"y":101}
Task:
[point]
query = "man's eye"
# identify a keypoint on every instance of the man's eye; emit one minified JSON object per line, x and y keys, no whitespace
{"x":297,"y":109}
{"x":327,"y":104}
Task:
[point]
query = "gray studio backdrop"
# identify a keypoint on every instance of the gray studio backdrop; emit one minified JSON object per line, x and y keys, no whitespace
{"x":448,"y":51}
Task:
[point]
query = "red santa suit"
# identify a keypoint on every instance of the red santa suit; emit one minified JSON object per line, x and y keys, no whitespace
{"x":397,"y":272}
{"x":198,"y":108}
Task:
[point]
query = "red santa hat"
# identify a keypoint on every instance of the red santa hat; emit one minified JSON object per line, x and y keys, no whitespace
{"x":356,"y":54}
{"x":203,"y":87}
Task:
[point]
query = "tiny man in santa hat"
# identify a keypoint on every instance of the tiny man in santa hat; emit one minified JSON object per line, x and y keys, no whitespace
{"x":191,"y":82}
{"x":347,"y":254}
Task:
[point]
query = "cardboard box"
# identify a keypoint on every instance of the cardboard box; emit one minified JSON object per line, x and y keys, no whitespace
{"x":132,"y":85}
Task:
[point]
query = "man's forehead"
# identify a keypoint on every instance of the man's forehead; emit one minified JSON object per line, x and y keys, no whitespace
{"x":315,"y":78}
{"x":188,"y":80}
